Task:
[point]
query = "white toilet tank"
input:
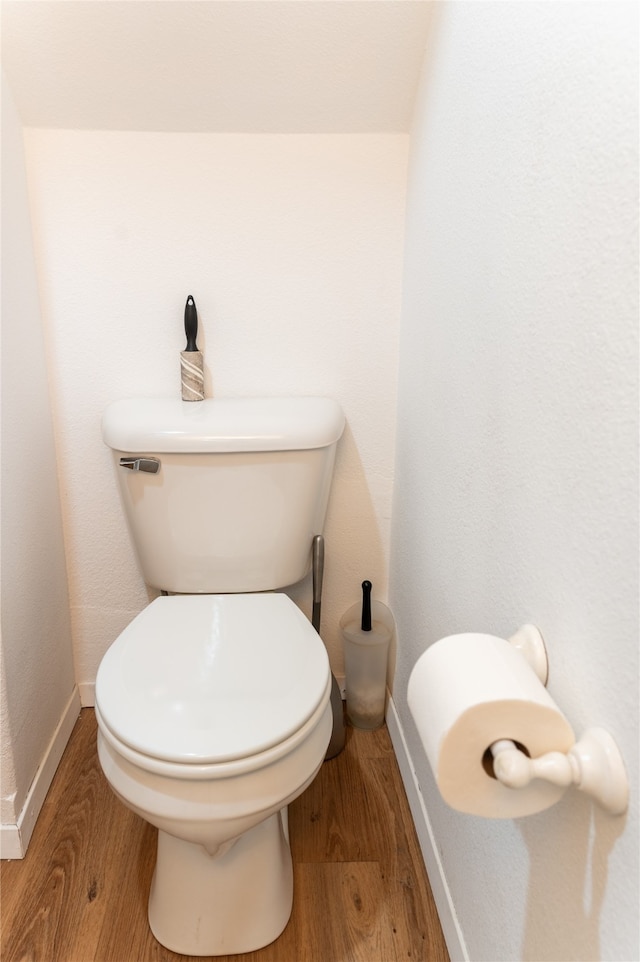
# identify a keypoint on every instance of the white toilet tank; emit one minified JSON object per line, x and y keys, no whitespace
{"x":224,"y":495}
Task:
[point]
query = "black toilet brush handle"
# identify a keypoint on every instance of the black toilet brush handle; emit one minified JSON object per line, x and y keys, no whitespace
{"x":365,"y":623}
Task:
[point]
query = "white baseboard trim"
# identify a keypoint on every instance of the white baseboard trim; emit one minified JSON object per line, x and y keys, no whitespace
{"x":87,"y":691}
{"x":441,"y":894}
{"x":10,"y":842}
{"x":15,"y":838}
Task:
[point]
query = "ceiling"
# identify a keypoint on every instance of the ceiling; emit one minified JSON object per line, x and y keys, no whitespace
{"x":284,"y":66}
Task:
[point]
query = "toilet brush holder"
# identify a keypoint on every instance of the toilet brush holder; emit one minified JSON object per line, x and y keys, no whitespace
{"x":366,"y":655}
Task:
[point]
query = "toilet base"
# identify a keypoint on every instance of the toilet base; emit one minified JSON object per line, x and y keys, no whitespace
{"x":227,"y":903}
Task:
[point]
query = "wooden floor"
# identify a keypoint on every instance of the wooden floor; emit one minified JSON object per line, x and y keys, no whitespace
{"x":360,"y":890}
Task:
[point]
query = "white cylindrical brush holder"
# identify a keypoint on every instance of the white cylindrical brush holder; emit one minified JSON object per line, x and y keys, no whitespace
{"x":366,"y":654}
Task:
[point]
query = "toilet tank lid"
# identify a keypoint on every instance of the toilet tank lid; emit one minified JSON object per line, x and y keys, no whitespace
{"x":169,"y":425}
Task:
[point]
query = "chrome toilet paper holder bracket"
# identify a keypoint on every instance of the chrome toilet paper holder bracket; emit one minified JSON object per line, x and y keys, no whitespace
{"x":593,"y":764}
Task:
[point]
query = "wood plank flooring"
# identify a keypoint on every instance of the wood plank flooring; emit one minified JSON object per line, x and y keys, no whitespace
{"x":361,"y":893}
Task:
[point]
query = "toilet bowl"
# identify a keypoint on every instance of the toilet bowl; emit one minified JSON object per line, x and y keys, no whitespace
{"x":213,"y":715}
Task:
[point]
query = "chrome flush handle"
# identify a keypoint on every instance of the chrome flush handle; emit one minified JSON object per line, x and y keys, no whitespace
{"x":150,"y":465}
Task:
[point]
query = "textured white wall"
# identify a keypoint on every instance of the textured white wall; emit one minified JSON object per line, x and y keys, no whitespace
{"x":36,"y":638}
{"x":516,"y":472}
{"x":292,"y":248}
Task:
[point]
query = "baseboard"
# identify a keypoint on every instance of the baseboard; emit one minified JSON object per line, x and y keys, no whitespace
{"x":87,"y":691}
{"x":15,"y":838}
{"x":10,"y":842}
{"x":441,"y":894}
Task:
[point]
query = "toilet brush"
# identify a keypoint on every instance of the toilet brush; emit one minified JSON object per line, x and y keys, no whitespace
{"x":191,"y":360}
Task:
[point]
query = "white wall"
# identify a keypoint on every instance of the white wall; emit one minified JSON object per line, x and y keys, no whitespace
{"x":516,"y":472}
{"x":37,"y":676}
{"x":292,"y":248}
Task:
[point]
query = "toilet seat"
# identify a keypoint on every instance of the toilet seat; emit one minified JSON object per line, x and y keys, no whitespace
{"x":216,"y":770}
{"x":199,"y":683}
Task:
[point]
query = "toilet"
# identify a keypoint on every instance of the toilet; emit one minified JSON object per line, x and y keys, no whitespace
{"x":213,"y":705}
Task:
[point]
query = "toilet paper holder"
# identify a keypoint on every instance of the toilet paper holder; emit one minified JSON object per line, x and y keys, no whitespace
{"x":593,"y":764}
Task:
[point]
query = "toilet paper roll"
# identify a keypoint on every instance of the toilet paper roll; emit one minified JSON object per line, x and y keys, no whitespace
{"x":468,"y":691}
